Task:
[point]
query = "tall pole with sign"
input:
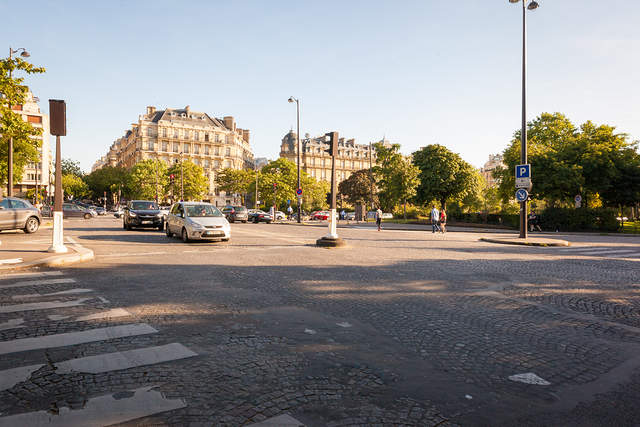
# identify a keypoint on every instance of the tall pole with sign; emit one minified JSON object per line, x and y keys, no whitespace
{"x":332,"y":239}
{"x":58,"y":127}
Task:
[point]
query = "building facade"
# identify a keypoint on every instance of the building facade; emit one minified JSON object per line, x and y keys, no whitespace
{"x":174,"y":134}
{"x":316,"y":162}
{"x":494,"y":162}
{"x":35,"y":175}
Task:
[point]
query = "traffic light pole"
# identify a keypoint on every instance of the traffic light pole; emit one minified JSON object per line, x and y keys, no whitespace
{"x":332,"y":239}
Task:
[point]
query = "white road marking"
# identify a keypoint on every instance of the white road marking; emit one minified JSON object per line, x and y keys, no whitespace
{"x":125,"y":359}
{"x":109,"y":314}
{"x":104,"y":300}
{"x":30,"y":275}
{"x":31,"y":306}
{"x":529,"y":378}
{"x":133,"y":254}
{"x":67,"y":292}
{"x":56,"y":317}
{"x":74,"y":338}
{"x":11,"y":261}
{"x":344,"y":324}
{"x":37,"y":283}
{"x":11,"y":324}
{"x":604,"y":252}
{"x":284,"y":420}
{"x":11,"y":377}
{"x":100,"y":411}
{"x":309,"y":331}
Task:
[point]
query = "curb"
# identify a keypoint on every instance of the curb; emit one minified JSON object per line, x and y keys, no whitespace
{"x":81,"y":254}
{"x":548,"y":242}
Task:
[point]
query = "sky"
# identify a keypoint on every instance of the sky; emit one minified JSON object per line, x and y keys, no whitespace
{"x":418,"y":72}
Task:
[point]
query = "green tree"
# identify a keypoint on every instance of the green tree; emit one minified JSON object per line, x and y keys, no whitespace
{"x":403,"y":182}
{"x":195,"y":182}
{"x":73,"y":187}
{"x":360,"y":188}
{"x":443,"y":175}
{"x":236,"y":181}
{"x":13,"y":91}
{"x":71,"y":167}
{"x":149,"y":180}
{"x":112,"y":179}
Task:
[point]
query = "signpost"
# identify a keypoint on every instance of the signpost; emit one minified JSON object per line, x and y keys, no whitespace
{"x":522,"y":195}
{"x":523,"y":176}
{"x":331,"y":239}
{"x":578,"y":200}
{"x":58,"y":127}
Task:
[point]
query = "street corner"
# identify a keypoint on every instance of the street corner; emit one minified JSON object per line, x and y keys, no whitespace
{"x":37,"y":255}
{"x":530,"y":241}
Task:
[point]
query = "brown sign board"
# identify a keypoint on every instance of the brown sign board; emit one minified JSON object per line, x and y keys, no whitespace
{"x":57,"y":117}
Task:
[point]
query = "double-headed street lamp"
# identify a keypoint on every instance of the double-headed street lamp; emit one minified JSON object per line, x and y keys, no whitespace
{"x":298,"y":198}
{"x":24,"y":54}
{"x":530,"y":5}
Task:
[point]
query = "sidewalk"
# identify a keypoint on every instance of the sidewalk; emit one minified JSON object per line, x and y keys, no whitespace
{"x":19,"y":251}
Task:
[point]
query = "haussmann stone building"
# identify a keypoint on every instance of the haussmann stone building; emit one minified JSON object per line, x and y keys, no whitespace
{"x":174,"y":134}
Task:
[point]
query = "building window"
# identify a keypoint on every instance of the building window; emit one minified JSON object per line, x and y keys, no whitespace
{"x":175,"y":133}
{"x":216,"y":164}
{"x":228,"y":151}
{"x":196,"y":149}
{"x":34,"y":119}
{"x":150,"y":145}
{"x":149,"y":133}
{"x":176,"y":148}
{"x":217,"y":151}
{"x":196,"y":161}
{"x":206,"y":163}
{"x":196,"y":135}
{"x":227,"y":164}
{"x":186,"y":148}
{"x":164,"y":132}
{"x":164,"y":146}
{"x":206,"y":137}
{"x":206,"y":150}
{"x":217,"y":139}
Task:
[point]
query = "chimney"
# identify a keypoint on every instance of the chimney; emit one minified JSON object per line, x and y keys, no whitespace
{"x":150,"y":110}
{"x":187,"y":110}
{"x":229,"y":123}
{"x":245,"y":135}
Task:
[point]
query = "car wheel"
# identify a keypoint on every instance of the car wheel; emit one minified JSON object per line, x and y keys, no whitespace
{"x":244,"y":222}
{"x":231,"y":220}
{"x":32,"y":225}
{"x":124,"y":225}
{"x":87,"y":216}
{"x":185,"y":236}
{"x":225,"y":240}
{"x":161,"y":226}
{"x":169,"y":233}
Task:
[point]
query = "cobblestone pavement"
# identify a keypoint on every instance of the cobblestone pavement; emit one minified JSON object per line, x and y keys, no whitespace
{"x":399,"y":328}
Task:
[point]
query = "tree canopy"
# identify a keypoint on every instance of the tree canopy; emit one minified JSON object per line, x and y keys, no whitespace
{"x":25,"y":146}
{"x":360,"y":188}
{"x":195,"y":182}
{"x":73,"y":187}
{"x":71,"y":167}
{"x":149,"y":179}
{"x":443,"y":175}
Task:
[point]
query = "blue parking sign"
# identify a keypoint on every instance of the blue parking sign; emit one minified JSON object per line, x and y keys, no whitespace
{"x":523,"y":171}
{"x":522,"y":195}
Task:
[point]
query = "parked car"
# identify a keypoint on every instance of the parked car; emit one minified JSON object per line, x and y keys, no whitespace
{"x":304,"y":217}
{"x":280,"y":216}
{"x":387,"y":215}
{"x":322,"y":215}
{"x":46,"y":210}
{"x":197,"y":221}
{"x":350,"y":216}
{"x":71,"y":210}
{"x":256,"y":215}
{"x":118,"y":212}
{"x":142,"y":213}
{"x":236,"y":213}
{"x":86,"y":206}
{"x":99,"y":210}
{"x":19,"y":214}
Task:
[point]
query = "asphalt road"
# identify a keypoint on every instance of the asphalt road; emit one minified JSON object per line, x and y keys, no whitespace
{"x":400,"y":327}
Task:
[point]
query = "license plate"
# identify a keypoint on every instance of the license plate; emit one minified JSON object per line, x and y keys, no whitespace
{"x":147,"y":222}
{"x":214,"y":233}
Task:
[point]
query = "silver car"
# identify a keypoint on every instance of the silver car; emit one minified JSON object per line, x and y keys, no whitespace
{"x":197,"y":221}
{"x":18,"y":213}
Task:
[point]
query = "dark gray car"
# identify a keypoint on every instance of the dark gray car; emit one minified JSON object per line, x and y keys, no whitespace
{"x":19,"y":214}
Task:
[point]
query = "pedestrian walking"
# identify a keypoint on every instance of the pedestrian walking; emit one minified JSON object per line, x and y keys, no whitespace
{"x":443,"y":220}
{"x":379,"y":219}
{"x":289,"y":212}
{"x":534,"y":222}
{"x":435,"y":218}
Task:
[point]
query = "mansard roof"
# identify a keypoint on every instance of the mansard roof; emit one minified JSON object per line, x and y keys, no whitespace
{"x":186,"y":115}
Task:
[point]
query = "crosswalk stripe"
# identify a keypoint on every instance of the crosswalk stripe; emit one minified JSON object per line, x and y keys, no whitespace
{"x":37,"y":283}
{"x":604,"y":252}
{"x":67,"y":292}
{"x":32,"y":306}
{"x":13,"y":376}
{"x":11,"y":261}
{"x":11,"y":324}
{"x":30,"y":275}
{"x":109,"y":314}
{"x":125,"y":359}
{"x":100,"y":411}
{"x":74,"y":338}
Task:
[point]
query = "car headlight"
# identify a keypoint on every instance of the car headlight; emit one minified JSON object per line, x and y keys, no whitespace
{"x":159,"y":215}
{"x":132,"y":213}
{"x":196,"y":225}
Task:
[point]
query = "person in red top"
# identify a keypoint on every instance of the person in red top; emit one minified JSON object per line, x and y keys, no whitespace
{"x":443,"y":220}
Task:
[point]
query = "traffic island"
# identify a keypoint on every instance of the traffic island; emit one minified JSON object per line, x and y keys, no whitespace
{"x":330,"y":242}
{"x":531,"y":241}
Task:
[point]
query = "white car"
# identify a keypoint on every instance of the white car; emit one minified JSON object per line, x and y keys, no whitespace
{"x":197,"y":221}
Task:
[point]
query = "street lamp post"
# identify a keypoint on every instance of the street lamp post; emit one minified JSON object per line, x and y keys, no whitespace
{"x":181,"y":180}
{"x":298,"y":197}
{"x":24,"y":54}
{"x":530,"y":5}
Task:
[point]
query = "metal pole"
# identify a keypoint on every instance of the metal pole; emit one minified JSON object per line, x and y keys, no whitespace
{"x":10,"y":151}
{"x":370,"y":177}
{"x":255,"y":202}
{"x":57,"y":207}
{"x":523,"y":136}
{"x":181,"y":180}
{"x":298,"y":137}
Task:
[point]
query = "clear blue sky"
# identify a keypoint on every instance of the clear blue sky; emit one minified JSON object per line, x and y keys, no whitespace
{"x":419,"y":72}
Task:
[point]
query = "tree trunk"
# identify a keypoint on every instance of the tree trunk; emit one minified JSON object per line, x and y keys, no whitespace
{"x":405,"y":209}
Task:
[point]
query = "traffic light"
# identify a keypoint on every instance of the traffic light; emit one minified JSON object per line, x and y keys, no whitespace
{"x":275,"y":185}
{"x":331,"y":138}
{"x":329,"y":198}
{"x":171,"y":178}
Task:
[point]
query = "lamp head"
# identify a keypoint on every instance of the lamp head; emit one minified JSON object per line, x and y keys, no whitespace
{"x":533,"y":5}
{"x":514,"y":1}
{"x":291,"y":99}
{"x":25,"y":54}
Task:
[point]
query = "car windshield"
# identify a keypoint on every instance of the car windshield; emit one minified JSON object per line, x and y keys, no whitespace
{"x":144,"y":206}
{"x":241,"y":209}
{"x":202,"y":211}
